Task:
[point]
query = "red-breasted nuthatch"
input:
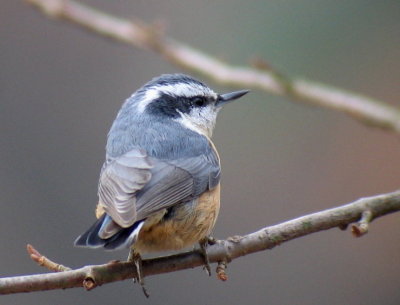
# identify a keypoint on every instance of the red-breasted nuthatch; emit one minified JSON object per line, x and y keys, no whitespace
{"x":159,"y":187}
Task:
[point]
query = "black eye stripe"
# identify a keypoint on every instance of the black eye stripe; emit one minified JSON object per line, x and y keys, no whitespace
{"x":172,"y":105}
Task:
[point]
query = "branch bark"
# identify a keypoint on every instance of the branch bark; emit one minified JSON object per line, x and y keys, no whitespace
{"x":365,"y":109}
{"x":224,"y":251}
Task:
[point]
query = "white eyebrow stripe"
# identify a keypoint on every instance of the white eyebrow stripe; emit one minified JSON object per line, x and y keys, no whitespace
{"x":186,"y":90}
{"x":180,"y":89}
{"x":149,"y":96}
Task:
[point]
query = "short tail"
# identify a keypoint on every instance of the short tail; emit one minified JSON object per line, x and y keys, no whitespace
{"x":123,"y":238}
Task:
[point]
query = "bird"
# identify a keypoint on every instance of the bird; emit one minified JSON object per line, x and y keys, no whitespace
{"x":159,"y":187}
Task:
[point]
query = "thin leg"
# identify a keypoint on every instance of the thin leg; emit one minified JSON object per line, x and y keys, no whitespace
{"x":203,"y":248}
{"x":135,"y":257}
{"x":131,"y":255}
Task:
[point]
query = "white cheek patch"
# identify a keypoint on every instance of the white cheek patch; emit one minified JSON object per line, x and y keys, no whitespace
{"x":200,"y":120}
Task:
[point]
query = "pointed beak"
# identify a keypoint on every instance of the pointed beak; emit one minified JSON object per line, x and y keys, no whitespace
{"x":229,"y":97}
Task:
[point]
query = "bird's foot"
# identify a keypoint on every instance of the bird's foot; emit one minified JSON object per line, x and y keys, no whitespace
{"x":136,"y":258}
{"x":203,"y":249}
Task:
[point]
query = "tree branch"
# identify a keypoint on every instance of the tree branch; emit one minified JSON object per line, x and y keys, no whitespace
{"x":364,"y":109}
{"x":222,"y":251}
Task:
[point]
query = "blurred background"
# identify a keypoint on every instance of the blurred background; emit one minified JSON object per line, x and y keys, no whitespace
{"x":61,"y":87}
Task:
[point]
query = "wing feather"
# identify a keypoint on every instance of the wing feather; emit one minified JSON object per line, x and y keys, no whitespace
{"x":135,"y":185}
{"x":120,"y":179}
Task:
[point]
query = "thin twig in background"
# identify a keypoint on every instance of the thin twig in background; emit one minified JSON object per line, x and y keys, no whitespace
{"x":222,"y":252}
{"x":138,"y":34}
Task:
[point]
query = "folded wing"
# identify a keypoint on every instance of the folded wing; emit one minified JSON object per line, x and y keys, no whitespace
{"x":134,"y":186}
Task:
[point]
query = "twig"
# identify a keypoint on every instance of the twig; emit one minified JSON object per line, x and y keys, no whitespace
{"x":43,"y":261}
{"x":362,"y":226}
{"x":367,"y":110}
{"x":221,"y":271}
{"x":222,"y":251}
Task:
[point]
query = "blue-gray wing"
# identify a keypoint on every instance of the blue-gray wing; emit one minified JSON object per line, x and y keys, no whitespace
{"x":135,"y":185}
{"x":120,"y":181}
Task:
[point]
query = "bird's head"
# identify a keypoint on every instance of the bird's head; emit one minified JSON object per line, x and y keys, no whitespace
{"x":183,"y":99}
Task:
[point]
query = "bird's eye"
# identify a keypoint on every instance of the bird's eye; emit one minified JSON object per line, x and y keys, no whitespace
{"x":198,"y":101}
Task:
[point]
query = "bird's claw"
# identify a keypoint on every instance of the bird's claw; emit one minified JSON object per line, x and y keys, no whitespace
{"x":137,"y":260}
{"x":203,"y":249}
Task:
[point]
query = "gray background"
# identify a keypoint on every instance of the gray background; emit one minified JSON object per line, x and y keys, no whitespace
{"x":60,"y":89}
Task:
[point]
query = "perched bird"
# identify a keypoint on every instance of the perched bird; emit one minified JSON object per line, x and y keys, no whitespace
{"x":159,"y":187}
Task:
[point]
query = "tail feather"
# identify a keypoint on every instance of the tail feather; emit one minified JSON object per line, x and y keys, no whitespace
{"x":124,"y":238}
{"x":91,"y":238}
